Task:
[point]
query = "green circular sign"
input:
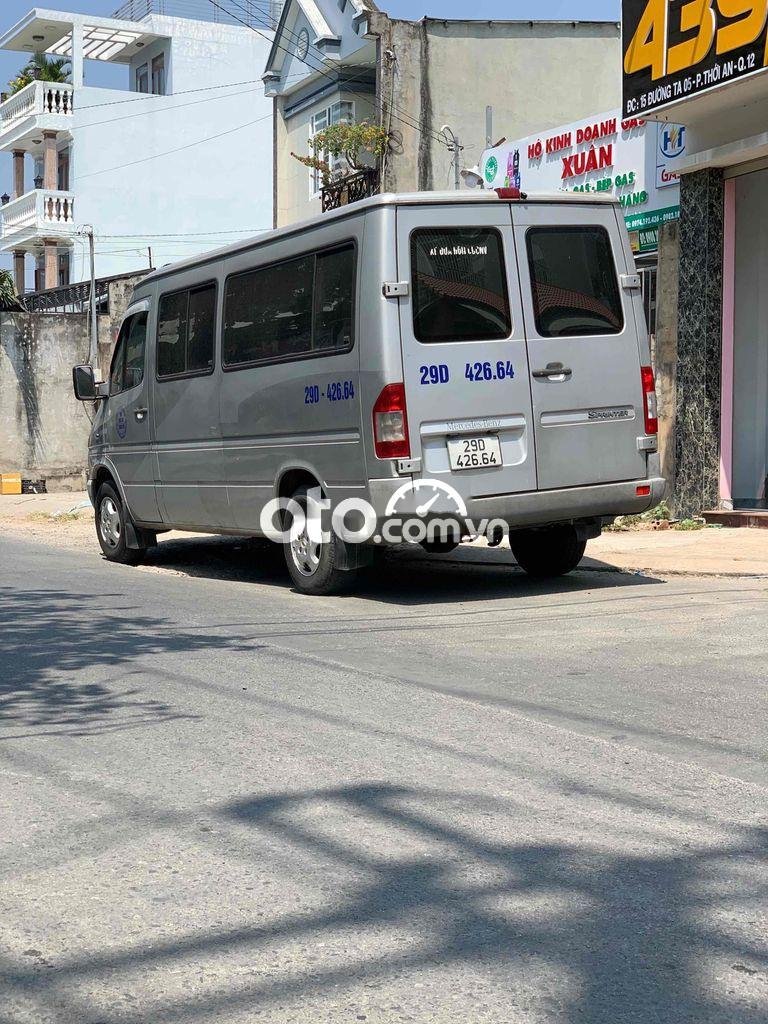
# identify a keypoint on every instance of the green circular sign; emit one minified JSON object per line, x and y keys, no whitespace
{"x":491,"y":169}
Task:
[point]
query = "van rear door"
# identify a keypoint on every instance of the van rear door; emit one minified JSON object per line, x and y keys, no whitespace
{"x":465,"y":363}
{"x":583,"y":344}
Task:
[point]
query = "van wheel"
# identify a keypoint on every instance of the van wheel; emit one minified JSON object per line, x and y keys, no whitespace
{"x":313,"y":566}
{"x":547,"y":553}
{"x":110,"y":528}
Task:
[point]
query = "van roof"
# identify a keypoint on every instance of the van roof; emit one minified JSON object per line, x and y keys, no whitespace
{"x":384,"y":199}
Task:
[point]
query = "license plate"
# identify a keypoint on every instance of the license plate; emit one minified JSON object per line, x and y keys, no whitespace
{"x":482,"y":452}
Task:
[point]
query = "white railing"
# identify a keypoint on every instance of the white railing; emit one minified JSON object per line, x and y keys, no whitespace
{"x":36,"y":98}
{"x":39,"y":212}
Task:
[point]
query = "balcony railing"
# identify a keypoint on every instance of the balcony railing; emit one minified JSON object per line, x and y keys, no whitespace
{"x":352,"y":189}
{"x":36,"y":99}
{"x":36,"y":215}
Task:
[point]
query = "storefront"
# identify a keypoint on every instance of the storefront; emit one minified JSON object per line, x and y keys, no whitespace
{"x":628,"y":158}
{"x":710,"y":76}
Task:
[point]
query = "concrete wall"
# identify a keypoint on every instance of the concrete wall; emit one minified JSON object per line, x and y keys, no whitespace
{"x":536,"y":75}
{"x":43,"y":429}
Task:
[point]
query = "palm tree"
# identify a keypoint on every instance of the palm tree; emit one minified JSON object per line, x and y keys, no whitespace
{"x":9,"y":301}
{"x":42,"y":68}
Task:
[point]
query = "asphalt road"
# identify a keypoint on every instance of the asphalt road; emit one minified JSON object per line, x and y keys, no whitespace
{"x":456,"y":797}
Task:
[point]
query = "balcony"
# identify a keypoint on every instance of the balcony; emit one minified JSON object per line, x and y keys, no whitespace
{"x":37,"y":215}
{"x":38,"y":107}
{"x":351,"y":189}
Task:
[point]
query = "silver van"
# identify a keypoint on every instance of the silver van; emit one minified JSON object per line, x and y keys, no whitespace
{"x":482,"y":355}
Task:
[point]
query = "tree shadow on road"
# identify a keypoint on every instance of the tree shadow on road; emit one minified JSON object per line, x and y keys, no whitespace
{"x":583,"y":933}
{"x":56,"y":647}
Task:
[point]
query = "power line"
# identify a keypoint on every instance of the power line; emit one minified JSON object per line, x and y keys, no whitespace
{"x":178,"y":149}
{"x":407,"y":119}
{"x":183,"y":92}
{"x":161,"y":110}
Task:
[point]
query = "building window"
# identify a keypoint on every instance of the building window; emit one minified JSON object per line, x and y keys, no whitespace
{"x":63,"y":172}
{"x":342,"y":112}
{"x":293,"y":310}
{"x":158,"y":75}
{"x":64,"y":269}
{"x":142,"y":78}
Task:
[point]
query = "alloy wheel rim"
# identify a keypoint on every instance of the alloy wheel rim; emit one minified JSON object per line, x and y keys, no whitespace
{"x":305,"y":553}
{"x":109,"y":523}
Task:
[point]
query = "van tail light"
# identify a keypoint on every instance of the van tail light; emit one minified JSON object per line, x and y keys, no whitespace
{"x":390,"y":424}
{"x":649,"y":400}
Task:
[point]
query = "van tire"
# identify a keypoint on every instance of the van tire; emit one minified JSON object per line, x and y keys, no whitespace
{"x":315,"y":571}
{"x":544,"y":554}
{"x":111,"y":518}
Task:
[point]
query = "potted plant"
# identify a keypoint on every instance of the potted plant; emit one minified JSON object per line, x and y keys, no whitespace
{"x":346,"y":140}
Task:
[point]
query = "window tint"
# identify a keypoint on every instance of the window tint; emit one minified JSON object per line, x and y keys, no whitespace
{"x":134,"y":352}
{"x":127,"y":369}
{"x":291,"y":309}
{"x":459,"y":285}
{"x":573,"y":281}
{"x":118,"y":357}
{"x":334,"y":299}
{"x":185,"y":331}
{"x":201,"y":316}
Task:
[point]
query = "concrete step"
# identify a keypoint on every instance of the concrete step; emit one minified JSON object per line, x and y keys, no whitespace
{"x":754,"y":517}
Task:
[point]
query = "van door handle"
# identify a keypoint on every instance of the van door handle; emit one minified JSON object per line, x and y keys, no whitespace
{"x":140,"y":413}
{"x":553,"y":370}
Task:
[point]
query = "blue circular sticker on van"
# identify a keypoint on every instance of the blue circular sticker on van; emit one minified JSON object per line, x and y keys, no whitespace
{"x":121,"y":423}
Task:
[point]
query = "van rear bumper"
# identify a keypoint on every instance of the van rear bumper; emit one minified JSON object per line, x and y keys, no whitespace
{"x":540,"y":508}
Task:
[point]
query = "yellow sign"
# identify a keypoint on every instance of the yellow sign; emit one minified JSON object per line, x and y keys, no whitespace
{"x":674,"y":50}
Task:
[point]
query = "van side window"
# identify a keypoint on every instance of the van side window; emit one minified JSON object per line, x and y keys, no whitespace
{"x":459,"y":285}
{"x":573,"y":282}
{"x":127,"y":370}
{"x":185,"y":331}
{"x":299,"y":308}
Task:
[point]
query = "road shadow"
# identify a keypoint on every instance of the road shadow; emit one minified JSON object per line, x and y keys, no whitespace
{"x":403,"y":576}
{"x":56,"y":647}
{"x":574,"y":932}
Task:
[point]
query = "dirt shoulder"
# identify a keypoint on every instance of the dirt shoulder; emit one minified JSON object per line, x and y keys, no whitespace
{"x":67,"y":520}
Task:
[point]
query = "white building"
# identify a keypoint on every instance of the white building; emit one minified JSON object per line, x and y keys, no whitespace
{"x":178,"y":164}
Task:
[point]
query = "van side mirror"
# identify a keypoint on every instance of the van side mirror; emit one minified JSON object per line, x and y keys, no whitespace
{"x":84,"y":383}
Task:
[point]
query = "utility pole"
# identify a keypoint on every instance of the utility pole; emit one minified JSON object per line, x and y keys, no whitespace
{"x":93,"y":349}
{"x":149,"y":251}
{"x":488,"y":127}
{"x":453,"y":147}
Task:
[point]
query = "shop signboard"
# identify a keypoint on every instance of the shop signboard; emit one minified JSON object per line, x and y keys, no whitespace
{"x":676,"y":49}
{"x":630,"y":159}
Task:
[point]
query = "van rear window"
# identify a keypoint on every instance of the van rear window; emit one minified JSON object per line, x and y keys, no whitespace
{"x":459,"y":285}
{"x":573,"y":282}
